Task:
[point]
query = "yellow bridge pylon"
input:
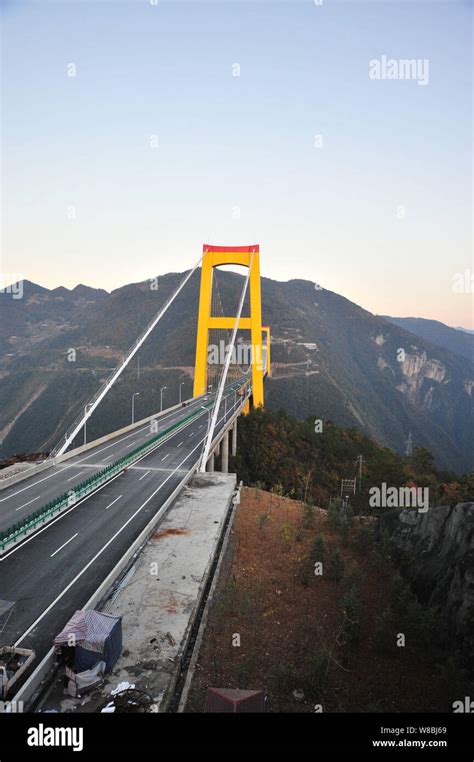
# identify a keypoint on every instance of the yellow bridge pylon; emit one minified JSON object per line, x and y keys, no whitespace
{"x":246,"y":256}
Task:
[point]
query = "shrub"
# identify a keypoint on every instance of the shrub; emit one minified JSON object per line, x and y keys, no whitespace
{"x":277,"y":489}
{"x":308,"y":515}
{"x":249,"y":600}
{"x":225,"y":600}
{"x":303,"y":572}
{"x":351,"y":603}
{"x":344,"y":531}
{"x":347,"y":514}
{"x":354,"y":576}
{"x":333,"y":517}
{"x":318,"y":548}
{"x":364,"y":539}
{"x":345,"y":522}
{"x":282,"y":677}
{"x":421,"y":625}
{"x":386,"y":632}
{"x":315,"y":670}
{"x":262,"y":520}
{"x":288,"y":534}
{"x":245,"y":669}
{"x":336,"y":566}
{"x":455,"y":681}
{"x":235,"y":600}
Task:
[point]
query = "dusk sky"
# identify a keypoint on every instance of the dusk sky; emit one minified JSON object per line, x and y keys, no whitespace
{"x":131,"y":137}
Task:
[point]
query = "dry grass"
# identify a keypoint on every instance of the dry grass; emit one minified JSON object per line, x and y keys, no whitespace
{"x":289,"y":622}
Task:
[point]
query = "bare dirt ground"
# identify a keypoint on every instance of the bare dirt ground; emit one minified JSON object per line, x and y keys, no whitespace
{"x":276,"y":626}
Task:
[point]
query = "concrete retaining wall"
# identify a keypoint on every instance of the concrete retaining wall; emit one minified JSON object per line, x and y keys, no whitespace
{"x":207,"y":606}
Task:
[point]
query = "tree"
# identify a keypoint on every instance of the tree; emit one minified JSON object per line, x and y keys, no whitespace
{"x":336,"y":565}
{"x":422,"y":462}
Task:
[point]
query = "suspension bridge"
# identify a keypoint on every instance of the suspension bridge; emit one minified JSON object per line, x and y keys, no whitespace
{"x":67,"y":523}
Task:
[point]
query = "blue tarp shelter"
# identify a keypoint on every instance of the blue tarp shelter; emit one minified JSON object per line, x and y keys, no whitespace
{"x":95,"y":637}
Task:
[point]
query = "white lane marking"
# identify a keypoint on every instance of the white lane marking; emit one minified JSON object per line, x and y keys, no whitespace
{"x":166,"y":456}
{"x":200,"y":426}
{"x":134,"y":442}
{"x":58,"y":473}
{"x":90,"y":454}
{"x":64,"y":513}
{"x":25,"y":504}
{"x":106,"y":484}
{"x":113,"y":501}
{"x":95,"y":452}
{"x":55,"y":473}
{"x":64,"y":544}
{"x":180,"y":444}
{"x":58,"y":518}
{"x":75,"y":476}
{"x":142,"y":477}
{"x":104,"y":547}
{"x":170,"y":416}
{"x":191,"y":434}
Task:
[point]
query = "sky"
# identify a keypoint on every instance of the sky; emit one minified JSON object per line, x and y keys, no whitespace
{"x":134,"y":132}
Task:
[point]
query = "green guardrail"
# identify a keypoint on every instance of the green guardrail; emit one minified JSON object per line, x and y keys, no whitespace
{"x":86,"y":487}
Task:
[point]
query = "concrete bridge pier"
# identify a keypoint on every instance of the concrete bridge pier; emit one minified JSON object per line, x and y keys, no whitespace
{"x":210,"y":463}
{"x":234,"y":439}
{"x":225,"y":453}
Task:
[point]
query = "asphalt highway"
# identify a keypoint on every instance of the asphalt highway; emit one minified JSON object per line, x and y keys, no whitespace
{"x":55,"y":571}
{"x":21,"y":499}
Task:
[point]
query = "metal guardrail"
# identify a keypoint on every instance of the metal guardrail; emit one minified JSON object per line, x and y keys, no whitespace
{"x":86,"y":487}
{"x":29,"y":689}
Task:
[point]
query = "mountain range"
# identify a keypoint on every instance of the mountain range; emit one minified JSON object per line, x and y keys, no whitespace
{"x":331,"y":359}
{"x":457,"y":340}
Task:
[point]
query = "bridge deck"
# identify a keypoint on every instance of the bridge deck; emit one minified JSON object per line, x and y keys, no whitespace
{"x":58,"y":569}
{"x":21,"y":499}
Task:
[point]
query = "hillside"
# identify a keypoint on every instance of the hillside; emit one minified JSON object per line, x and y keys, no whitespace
{"x":320,"y":639}
{"x":277,"y":451}
{"x":457,"y":340}
{"x":331,"y":359}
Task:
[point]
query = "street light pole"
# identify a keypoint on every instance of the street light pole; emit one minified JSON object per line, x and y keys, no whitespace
{"x":181,"y":384}
{"x":208,"y":411}
{"x":161,"y":397}
{"x":137,"y":394}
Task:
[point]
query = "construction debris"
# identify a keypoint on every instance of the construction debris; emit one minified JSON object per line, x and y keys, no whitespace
{"x":130,"y":700}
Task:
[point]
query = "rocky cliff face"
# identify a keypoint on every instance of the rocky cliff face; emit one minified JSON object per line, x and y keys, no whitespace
{"x":417,"y":368}
{"x":439,"y":546}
